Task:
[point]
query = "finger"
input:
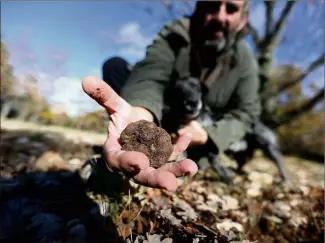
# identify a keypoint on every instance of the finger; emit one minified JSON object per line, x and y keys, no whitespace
{"x":157,"y":179}
{"x":131,"y":162}
{"x":104,"y":95}
{"x":181,"y":145}
{"x":181,"y":131}
{"x":181,"y":168}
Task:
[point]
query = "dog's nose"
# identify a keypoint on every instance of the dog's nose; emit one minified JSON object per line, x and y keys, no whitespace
{"x":190,"y":105}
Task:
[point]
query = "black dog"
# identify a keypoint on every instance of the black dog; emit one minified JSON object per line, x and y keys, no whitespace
{"x":185,"y":103}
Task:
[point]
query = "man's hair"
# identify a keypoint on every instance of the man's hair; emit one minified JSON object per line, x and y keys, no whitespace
{"x":246,"y":5}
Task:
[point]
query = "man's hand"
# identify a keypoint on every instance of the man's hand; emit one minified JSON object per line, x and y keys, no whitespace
{"x":199,"y":135}
{"x":135,"y":164}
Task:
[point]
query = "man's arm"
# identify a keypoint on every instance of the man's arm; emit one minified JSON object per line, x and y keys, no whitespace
{"x":149,"y":77}
{"x":245,"y":108}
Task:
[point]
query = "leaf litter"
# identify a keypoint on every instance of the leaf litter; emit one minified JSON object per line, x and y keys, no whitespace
{"x":257,"y":207}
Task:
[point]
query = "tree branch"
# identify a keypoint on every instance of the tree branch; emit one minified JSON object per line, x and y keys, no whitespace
{"x":284,"y":15}
{"x":314,"y":65}
{"x":291,"y":115}
{"x":269,"y":6}
{"x":169,"y":6}
{"x":271,"y":37}
{"x":253,"y":32}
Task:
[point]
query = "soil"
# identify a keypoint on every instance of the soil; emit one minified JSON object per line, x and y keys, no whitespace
{"x":146,"y":137}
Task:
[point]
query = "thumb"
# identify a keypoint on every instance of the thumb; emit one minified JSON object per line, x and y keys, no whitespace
{"x":104,"y":95}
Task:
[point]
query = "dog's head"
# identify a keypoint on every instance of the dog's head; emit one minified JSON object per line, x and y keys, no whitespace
{"x":186,"y":97}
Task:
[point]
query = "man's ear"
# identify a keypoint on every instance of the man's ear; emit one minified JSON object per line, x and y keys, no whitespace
{"x":243,"y":22}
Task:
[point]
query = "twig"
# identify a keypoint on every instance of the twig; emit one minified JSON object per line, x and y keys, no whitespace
{"x":211,"y":231}
{"x":137,"y":215}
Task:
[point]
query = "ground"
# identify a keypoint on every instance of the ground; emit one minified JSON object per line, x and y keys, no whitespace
{"x":46,"y":172}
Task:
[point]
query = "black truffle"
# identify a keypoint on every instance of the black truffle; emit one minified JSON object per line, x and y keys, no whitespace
{"x":146,"y":137}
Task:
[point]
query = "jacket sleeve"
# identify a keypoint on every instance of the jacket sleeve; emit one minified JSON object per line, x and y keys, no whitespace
{"x":149,"y":77}
{"x":243,"y":110}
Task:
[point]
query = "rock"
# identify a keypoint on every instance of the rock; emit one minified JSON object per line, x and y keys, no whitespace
{"x":51,"y":161}
{"x":144,"y":136}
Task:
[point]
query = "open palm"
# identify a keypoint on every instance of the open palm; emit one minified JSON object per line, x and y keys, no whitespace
{"x":135,"y":164}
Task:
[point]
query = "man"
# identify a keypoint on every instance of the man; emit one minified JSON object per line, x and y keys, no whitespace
{"x":206,"y":45}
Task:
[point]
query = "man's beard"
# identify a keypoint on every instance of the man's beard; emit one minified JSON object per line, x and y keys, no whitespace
{"x":222,"y":44}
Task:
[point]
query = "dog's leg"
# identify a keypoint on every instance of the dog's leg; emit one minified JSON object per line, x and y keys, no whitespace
{"x":274,"y":154}
{"x":225,"y":174}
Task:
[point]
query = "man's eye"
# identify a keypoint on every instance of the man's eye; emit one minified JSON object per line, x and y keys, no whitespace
{"x":211,"y":7}
{"x":231,"y":8}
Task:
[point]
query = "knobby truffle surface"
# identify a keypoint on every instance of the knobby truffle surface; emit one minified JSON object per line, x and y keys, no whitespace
{"x":146,"y":137}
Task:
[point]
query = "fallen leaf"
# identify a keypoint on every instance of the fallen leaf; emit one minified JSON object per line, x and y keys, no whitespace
{"x":260,"y":178}
{"x":281,"y":209}
{"x":227,"y":225}
{"x":187,"y":212}
{"x":167,"y":214}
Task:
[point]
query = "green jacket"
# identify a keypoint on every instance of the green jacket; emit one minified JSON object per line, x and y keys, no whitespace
{"x":232,"y":91}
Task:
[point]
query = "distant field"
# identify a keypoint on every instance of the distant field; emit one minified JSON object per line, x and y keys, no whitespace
{"x":76,"y":135}
{"x":297,"y":168}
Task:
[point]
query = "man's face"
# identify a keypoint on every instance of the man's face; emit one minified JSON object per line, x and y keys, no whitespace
{"x":221,"y":21}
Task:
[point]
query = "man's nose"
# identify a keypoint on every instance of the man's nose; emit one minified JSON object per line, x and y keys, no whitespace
{"x":221,"y":14}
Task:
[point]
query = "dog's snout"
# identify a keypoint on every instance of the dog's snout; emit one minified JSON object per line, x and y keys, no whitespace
{"x":190,"y":105}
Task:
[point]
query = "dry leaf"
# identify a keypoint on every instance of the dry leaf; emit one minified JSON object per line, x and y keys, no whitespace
{"x":262,"y":179}
{"x":281,"y":210}
{"x":227,"y":225}
{"x":167,"y":214}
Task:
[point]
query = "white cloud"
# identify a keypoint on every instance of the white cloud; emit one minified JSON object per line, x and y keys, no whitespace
{"x":63,"y":92}
{"x":130,"y":33}
{"x":134,"y":42}
{"x":68,"y":92}
{"x":130,"y":41}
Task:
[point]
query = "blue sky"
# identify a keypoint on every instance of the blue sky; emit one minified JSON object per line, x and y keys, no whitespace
{"x":63,"y":41}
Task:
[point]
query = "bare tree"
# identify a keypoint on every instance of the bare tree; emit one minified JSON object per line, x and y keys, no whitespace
{"x":275,"y":37}
{"x":266,"y":45}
